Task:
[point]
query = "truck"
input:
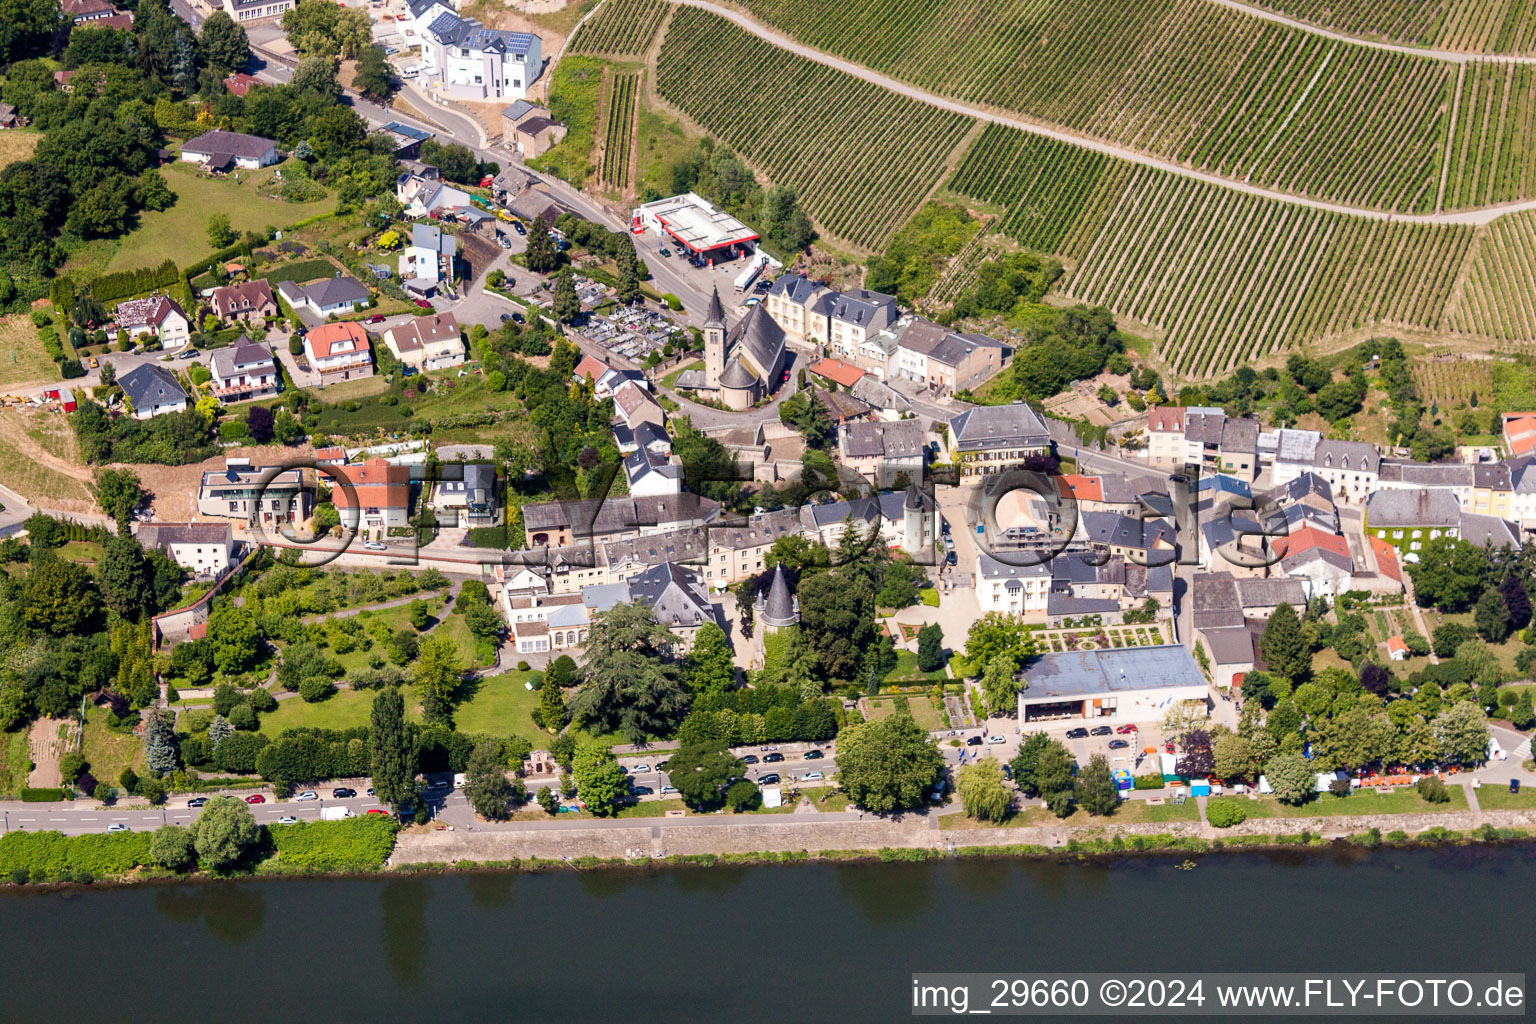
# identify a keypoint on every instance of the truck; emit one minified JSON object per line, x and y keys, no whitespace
{"x":336,"y":813}
{"x":746,"y":277}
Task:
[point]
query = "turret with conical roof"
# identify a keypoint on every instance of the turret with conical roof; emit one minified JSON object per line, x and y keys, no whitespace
{"x":780,"y":609}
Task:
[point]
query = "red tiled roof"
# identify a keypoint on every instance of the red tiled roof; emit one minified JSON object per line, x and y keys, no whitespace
{"x":1309,"y":537}
{"x":1520,"y":432}
{"x":1386,"y":559}
{"x":239,"y":83}
{"x":375,"y":484}
{"x":322,"y":339}
{"x":1396,"y":643}
{"x":591,"y":368}
{"x":1081,"y":488}
{"x":838,"y":372}
{"x":1163,"y":418}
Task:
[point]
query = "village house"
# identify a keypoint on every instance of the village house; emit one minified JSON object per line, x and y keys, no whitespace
{"x":156,"y":315}
{"x":881,"y":451}
{"x":339,"y":351}
{"x":942,"y":360}
{"x":1015,"y":583}
{"x":788,"y":301}
{"x":635,"y":405}
{"x":246,"y":11}
{"x":427,"y":342}
{"x":991,"y":438}
{"x":470,"y":486}
{"x":373,"y":495}
{"x":331,"y":296}
{"x":225,"y":151}
{"x":204,"y":549}
{"x":560,"y":524}
{"x":243,"y":370}
{"x":530,"y":128}
{"x":427,"y":261}
{"x":152,"y":390}
{"x":243,"y":301}
{"x":472,"y":62}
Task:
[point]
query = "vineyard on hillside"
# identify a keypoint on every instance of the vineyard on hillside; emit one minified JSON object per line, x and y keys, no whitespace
{"x":620,"y":96}
{"x":1473,"y":26}
{"x":622,"y":28}
{"x":1182,"y":79}
{"x":860,"y":158}
{"x":1227,"y":277}
{"x":1491,"y":161}
{"x":1498,"y":300}
{"x":1450,"y":381}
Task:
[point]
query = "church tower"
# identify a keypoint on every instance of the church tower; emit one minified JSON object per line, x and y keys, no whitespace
{"x":714,"y":342}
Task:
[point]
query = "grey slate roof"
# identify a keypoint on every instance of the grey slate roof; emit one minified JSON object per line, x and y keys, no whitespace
{"x":894,"y":440}
{"x":999,"y":426}
{"x":761,"y":340}
{"x":1086,"y":673}
{"x":1240,"y":435}
{"x":992,"y":568}
{"x":1257,"y":593}
{"x":162,"y":535}
{"x":862,"y":307}
{"x":517,"y":109}
{"x":1206,"y":427}
{"x":1355,"y":456}
{"x":736,"y":375}
{"x":1489,"y":531}
{"x":674,"y":594}
{"x":1296,"y":445}
{"x":1215,"y":601}
{"x":1060,"y":602}
{"x":1230,"y":645}
{"x":796,"y":288}
{"x":229,"y":143}
{"x":244,"y":352}
{"x":1428,"y":474}
{"x":780,"y":608}
{"x":148,"y":385}
{"x":1419,"y":507}
{"x":1303,"y":486}
{"x":883,"y":396}
{"x":714,"y":315}
{"x":1114,"y":529}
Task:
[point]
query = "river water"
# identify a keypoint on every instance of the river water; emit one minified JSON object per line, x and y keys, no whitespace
{"x":792,"y":943}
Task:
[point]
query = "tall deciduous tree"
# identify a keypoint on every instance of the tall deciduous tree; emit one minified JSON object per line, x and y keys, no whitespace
{"x":982,"y":790}
{"x":392,"y":750}
{"x":995,"y":633}
{"x":1096,"y":787}
{"x":701,"y":773}
{"x":1054,"y":778}
{"x":235,"y":637}
{"x":1291,"y":777}
{"x":1195,"y":755}
{"x":930,"y":647}
{"x":887,"y":765}
{"x":224,"y":832}
{"x":1000,"y":686}
{"x":1284,"y":647}
{"x":1233,"y":757}
{"x":1449,"y":574}
{"x":708,"y":667}
{"x":1462,"y":733}
{"x":437,"y":672}
{"x":373,"y":76}
{"x":126,"y":578}
{"x":58,"y":597}
{"x":566,"y":306}
{"x":486,"y":783}
{"x":1517,"y":599}
{"x":600,"y":783}
{"x":223,"y":44}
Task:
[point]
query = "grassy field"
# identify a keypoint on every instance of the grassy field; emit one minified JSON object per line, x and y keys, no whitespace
{"x":906,"y":671}
{"x":1326,"y":805}
{"x":1505,"y":651}
{"x":500,"y":706}
{"x":15,"y":762}
{"x":1129,"y":812}
{"x":23,"y":360}
{"x":85,"y":552}
{"x":182,"y":231}
{"x":343,"y":710}
{"x":23,"y":473}
{"x":110,"y":752}
{"x":456,"y":629}
{"x":1499,"y":798}
{"x":18,"y":144}
{"x":923,"y":712}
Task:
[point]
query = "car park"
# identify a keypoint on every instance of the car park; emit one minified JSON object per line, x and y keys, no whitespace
{"x":1100,"y":730}
{"x":197,"y":801}
{"x":1077,"y":734}
{"x":307,"y":795}
{"x":812,"y":777}
{"x":772,"y":758}
{"x":771,"y":779}
{"x":255,"y":798}
{"x":287,"y":819}
{"x":343,"y":792}
{"x":814,"y":755}
{"x":118,"y":826}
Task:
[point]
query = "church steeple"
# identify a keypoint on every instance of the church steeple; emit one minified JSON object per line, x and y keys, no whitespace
{"x":714,"y":341}
{"x":715,"y":317}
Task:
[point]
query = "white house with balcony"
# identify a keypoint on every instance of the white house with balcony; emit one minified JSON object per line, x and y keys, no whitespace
{"x":470,"y":61}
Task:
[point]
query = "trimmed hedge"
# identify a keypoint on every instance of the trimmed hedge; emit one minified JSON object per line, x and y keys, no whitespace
{"x":1149,"y":781}
{"x":123,"y":283}
{"x":53,"y":855}
{"x":355,"y":844}
{"x":42,"y":796}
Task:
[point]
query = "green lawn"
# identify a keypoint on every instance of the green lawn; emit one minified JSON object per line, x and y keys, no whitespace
{"x":1326,"y":805}
{"x":500,"y":706}
{"x":906,"y":671}
{"x":1499,"y":798}
{"x":456,"y":629}
{"x":670,"y":379}
{"x":342,"y":710}
{"x":109,"y":752}
{"x":15,"y":762}
{"x":396,"y":618}
{"x":1505,"y":651}
{"x":181,"y":232}
{"x":923,"y":712}
{"x":1130,"y":812}
{"x":85,"y":552}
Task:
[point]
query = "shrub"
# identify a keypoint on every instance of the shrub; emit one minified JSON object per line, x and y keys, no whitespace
{"x":41,"y":796}
{"x":673,"y":302}
{"x":1432,"y":789}
{"x":352,"y":845}
{"x":1224,"y":813}
{"x":46,"y":855}
{"x":1149,"y":781}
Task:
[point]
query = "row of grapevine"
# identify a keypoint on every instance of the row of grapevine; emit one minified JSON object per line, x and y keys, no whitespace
{"x":1451,"y":381}
{"x":1210,"y":86}
{"x":1491,"y":161}
{"x":621,"y":28}
{"x":1227,"y":277}
{"x":1468,"y":26}
{"x":623,"y":92}
{"x":961,"y":272}
{"x":1498,"y":299}
{"x":860,"y":158}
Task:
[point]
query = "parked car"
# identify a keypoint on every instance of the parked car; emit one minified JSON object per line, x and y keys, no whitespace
{"x":1077,"y":734}
{"x":640,"y":769}
{"x":255,"y":798}
{"x":814,"y":755}
{"x":771,"y":779}
{"x":377,"y":318}
{"x":668,"y":789}
{"x":118,"y":826}
{"x":517,"y":226}
{"x":949,"y":559}
{"x":287,"y":819}
{"x":93,"y":362}
{"x":197,"y":801}
{"x":502,"y":241}
{"x":377,"y":810}
{"x":1118,"y":744}
{"x":773,"y":758}
{"x":423,"y":303}
{"x":973,"y":741}
{"x":505,"y":317}
{"x":307,"y":795}
{"x":642,"y":791}
{"x":1100,"y":730}
{"x":1126,"y":729}
{"x":812,"y":777}
{"x":996,"y":739}
{"x":373,"y":545}
{"x":343,"y":792}
{"x":190,"y":353}
{"x":661,"y":766}
{"x":749,"y":759}
{"x":517,"y":318}
{"x":665,"y":252}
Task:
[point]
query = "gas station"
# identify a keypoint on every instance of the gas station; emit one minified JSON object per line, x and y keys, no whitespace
{"x":696,"y":227}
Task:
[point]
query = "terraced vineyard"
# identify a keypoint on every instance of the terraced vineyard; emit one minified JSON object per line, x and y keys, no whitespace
{"x":621,"y":28}
{"x":961,"y":272}
{"x":1498,"y":300}
{"x":1182,"y":79}
{"x":1451,"y":381}
{"x":1227,"y":277}
{"x":860,"y":158}
{"x":621,"y":93}
{"x":1491,"y":161}
{"x":1473,"y":26}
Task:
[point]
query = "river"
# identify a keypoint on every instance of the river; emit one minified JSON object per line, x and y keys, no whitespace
{"x":813,"y":942}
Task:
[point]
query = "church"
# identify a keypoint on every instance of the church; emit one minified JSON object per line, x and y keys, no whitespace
{"x":741,"y":366}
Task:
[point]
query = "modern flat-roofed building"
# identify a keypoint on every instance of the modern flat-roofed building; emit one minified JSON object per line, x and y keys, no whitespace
{"x":265,"y":495}
{"x":1133,"y":684}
